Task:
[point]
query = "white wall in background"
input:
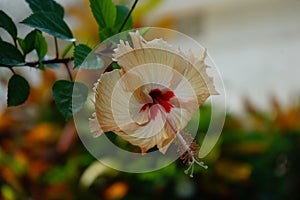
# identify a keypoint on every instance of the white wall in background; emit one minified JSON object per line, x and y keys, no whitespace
{"x":255,"y":44}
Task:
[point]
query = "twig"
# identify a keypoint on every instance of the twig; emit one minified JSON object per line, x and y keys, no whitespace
{"x":68,"y":70}
{"x":15,"y":42}
{"x":12,"y":70}
{"x":128,"y":15}
{"x":52,"y":61}
{"x":56,"y":47}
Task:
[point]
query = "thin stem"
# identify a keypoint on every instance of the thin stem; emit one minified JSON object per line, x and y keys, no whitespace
{"x":69,"y":71}
{"x":56,"y":47}
{"x":12,"y":70}
{"x":52,"y":61}
{"x":36,"y":63}
{"x":128,"y":15}
{"x":15,"y":42}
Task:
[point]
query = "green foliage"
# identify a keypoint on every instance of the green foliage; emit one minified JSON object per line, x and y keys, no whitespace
{"x":46,"y":5}
{"x":69,"y":96}
{"x":66,"y":50}
{"x":47,"y":17}
{"x":18,"y":90}
{"x":51,"y":23}
{"x":7,"y":23}
{"x":122,"y":12}
{"x":27,"y":45}
{"x":8,"y":192}
{"x":40,"y":45}
{"x":104,"y":12}
{"x":80,"y":53}
{"x":114,"y":19}
{"x":10,"y":55}
{"x":34,"y":40}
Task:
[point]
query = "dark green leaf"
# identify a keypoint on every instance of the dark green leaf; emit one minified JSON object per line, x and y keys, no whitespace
{"x":46,"y":5}
{"x":80,"y":93}
{"x":18,"y":90}
{"x":67,"y":50}
{"x":86,"y":59}
{"x":50,"y":23}
{"x":10,"y":55}
{"x":81,"y":51}
{"x":69,"y":97}
{"x":27,"y":45}
{"x":105,"y":33}
{"x":122,"y":12}
{"x":7,"y":23}
{"x":104,"y":12}
{"x":40,"y":45}
{"x":22,"y":44}
{"x":116,"y":65}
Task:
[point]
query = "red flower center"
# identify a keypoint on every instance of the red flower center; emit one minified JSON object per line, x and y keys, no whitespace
{"x":160,"y":98}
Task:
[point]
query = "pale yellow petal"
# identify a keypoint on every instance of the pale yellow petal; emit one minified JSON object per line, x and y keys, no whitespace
{"x":134,"y":83}
{"x":103,"y":96}
{"x":143,"y":52}
{"x":155,"y":133}
{"x":153,"y":74}
{"x":147,"y":65}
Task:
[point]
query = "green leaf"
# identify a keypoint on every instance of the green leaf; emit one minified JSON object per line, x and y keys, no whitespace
{"x":81,"y":51}
{"x":18,"y":90}
{"x":40,"y":45}
{"x":21,"y":42}
{"x":69,"y":96}
{"x":46,"y":5}
{"x":105,"y":33}
{"x":116,"y":65}
{"x":7,"y":23}
{"x":27,"y":45}
{"x":67,"y":50}
{"x":104,"y":12}
{"x":50,"y":23}
{"x":86,"y":59}
{"x":10,"y":55}
{"x":122,"y":12}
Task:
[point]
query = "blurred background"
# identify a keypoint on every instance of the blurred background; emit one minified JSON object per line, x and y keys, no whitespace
{"x":255,"y":45}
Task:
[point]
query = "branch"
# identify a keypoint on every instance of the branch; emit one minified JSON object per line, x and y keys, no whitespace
{"x":56,"y":47}
{"x":127,"y":17}
{"x":69,"y":72}
{"x":52,"y":61}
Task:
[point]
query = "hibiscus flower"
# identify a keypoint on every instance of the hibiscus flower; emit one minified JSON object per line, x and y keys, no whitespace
{"x":150,"y":100}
